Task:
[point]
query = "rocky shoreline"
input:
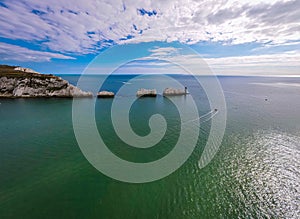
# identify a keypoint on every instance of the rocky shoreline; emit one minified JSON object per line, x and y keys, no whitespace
{"x":18,"y":82}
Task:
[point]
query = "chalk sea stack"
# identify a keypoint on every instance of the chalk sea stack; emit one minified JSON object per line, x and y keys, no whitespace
{"x":174,"y":92}
{"x":146,"y":93}
{"x":105,"y":94}
{"x":17,"y":82}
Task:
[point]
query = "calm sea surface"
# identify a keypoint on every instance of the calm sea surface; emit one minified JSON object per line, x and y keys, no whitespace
{"x":255,"y":174}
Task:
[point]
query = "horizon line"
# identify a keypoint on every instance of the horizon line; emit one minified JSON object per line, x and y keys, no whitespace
{"x":217,"y":75}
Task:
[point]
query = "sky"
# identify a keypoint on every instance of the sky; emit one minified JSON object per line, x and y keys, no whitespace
{"x":233,"y":37}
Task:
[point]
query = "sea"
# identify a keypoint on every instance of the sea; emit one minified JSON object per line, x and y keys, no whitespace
{"x":254,"y":172}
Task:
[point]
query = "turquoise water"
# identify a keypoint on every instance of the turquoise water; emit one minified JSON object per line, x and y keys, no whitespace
{"x":255,"y":173}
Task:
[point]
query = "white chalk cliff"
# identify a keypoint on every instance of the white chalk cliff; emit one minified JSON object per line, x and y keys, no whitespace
{"x":22,"y":82}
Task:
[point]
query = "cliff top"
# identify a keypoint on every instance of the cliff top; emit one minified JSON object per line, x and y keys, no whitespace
{"x":19,"y":72}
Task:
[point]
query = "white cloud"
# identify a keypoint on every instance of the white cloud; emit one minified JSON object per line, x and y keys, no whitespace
{"x":163,"y":51}
{"x":18,"y":53}
{"x":166,"y":59}
{"x":86,"y":26}
{"x":263,"y":65}
{"x":250,"y":61}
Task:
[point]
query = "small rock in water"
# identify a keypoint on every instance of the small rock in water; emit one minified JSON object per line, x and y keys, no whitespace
{"x":105,"y":94}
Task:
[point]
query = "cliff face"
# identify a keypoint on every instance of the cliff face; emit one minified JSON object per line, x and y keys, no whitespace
{"x":14,"y":82}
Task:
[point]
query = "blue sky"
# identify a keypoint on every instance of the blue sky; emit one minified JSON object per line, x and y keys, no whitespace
{"x":233,"y":37}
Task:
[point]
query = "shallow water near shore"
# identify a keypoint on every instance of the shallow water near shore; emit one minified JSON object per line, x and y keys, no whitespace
{"x":255,"y":174}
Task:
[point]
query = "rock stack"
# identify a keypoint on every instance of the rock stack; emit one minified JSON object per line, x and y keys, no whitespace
{"x":174,"y":92}
{"x":146,"y":93}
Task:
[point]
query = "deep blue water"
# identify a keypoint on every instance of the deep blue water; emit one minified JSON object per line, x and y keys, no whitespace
{"x":255,"y":173}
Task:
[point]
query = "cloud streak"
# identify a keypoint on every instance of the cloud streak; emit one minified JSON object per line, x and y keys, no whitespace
{"x":21,"y":54}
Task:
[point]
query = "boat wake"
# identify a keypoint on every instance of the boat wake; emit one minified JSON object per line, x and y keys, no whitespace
{"x":204,"y":118}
